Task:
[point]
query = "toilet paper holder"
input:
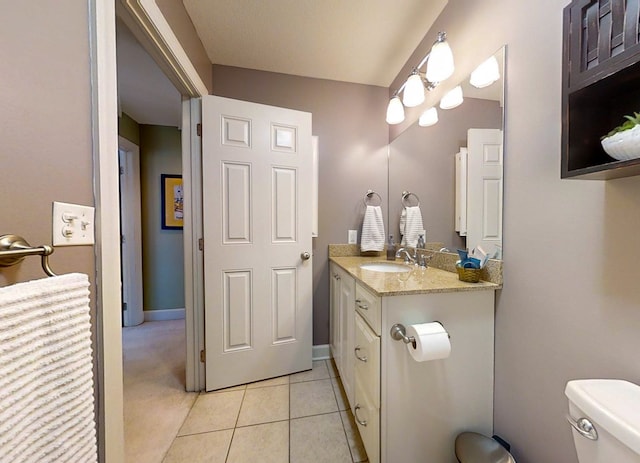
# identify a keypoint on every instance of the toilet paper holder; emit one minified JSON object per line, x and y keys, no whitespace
{"x":399,"y":333}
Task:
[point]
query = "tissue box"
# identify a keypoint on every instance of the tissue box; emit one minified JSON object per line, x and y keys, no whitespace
{"x":469,"y":275}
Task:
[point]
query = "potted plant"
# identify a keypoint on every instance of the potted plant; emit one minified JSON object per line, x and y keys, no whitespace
{"x":623,"y":142}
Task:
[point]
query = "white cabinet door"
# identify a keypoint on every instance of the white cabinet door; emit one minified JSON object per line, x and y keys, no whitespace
{"x":257,"y":178}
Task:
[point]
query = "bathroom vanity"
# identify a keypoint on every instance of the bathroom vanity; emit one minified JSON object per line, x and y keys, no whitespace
{"x":408,"y":410}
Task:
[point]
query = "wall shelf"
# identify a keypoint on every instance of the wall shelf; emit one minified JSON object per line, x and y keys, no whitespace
{"x":601,"y":83}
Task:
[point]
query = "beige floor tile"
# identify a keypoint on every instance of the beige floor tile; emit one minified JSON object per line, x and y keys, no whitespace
{"x":319,"y":371}
{"x":210,"y":447}
{"x":264,"y":443}
{"x":319,"y":439}
{"x":264,"y":405}
{"x":312,"y":398}
{"x":279,"y":381}
{"x":333,"y":369}
{"x":341,"y":396}
{"x":358,"y":452}
{"x":213,"y":412}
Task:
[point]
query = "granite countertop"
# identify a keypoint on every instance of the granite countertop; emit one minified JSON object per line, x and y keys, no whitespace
{"x":417,"y":281}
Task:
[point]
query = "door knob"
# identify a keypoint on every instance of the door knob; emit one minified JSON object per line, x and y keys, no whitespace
{"x":305,"y":256}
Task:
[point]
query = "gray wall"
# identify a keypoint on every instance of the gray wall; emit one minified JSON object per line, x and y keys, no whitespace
{"x":422,"y":160}
{"x":349,"y":120}
{"x":569,"y":307}
{"x":162,"y":250}
{"x":45,"y":127}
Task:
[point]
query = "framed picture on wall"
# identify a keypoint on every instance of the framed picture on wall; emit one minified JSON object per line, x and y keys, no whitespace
{"x":172,"y":202}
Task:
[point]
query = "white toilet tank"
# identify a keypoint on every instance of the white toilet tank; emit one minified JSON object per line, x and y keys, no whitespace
{"x":612,"y":408}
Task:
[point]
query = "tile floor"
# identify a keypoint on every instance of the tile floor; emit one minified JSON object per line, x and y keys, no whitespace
{"x":300,"y":418}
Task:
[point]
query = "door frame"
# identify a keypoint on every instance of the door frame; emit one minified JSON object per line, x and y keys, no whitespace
{"x":146,"y":20}
{"x":130,"y":231}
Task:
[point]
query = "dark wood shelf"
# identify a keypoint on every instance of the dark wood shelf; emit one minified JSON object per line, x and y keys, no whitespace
{"x":601,"y":83}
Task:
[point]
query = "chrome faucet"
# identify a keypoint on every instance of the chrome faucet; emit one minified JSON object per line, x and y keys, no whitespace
{"x":408,"y":258}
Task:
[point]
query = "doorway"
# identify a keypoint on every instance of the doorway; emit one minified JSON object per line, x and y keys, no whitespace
{"x":153,"y":333}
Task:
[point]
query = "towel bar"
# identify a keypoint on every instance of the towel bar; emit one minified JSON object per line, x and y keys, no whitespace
{"x":14,"y":248}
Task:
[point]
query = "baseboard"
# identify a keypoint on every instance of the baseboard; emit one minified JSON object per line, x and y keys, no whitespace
{"x":321,"y":352}
{"x":163,"y":314}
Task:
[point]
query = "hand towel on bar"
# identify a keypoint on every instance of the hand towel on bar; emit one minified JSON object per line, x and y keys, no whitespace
{"x":372,"y":237}
{"x":46,"y":372}
{"x":413,"y":226}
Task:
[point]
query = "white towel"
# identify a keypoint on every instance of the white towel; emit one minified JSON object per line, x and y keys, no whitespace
{"x":413,"y":227}
{"x":46,"y":372}
{"x":372,"y":237}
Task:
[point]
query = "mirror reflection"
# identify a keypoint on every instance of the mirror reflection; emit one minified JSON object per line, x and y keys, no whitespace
{"x":453,"y":169}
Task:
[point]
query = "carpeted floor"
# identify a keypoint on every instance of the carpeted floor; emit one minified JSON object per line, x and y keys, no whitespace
{"x":155,"y":401}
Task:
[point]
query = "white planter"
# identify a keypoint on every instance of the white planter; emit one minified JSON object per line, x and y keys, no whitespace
{"x":623,"y":145}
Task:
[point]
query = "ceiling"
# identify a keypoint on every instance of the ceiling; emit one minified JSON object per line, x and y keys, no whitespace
{"x":359,"y":41}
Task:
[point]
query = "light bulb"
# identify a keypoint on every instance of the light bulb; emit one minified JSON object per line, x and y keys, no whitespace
{"x":485,"y":74}
{"x":429,"y":117}
{"x":395,"y":111}
{"x":452,"y":99}
{"x":440,"y":63}
{"x":413,"y":94}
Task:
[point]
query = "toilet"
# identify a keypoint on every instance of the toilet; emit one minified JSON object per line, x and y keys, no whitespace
{"x":605,"y":418}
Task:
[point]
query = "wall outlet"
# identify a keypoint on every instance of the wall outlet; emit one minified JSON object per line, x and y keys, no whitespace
{"x":72,"y":225}
{"x":353,"y":237}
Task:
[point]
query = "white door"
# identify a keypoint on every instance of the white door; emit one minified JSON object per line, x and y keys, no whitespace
{"x":131,"y":233}
{"x":257,"y":166}
{"x":484,"y":193}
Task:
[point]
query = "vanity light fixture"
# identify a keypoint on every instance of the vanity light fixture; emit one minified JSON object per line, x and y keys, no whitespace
{"x":485,"y":74}
{"x":413,"y":94}
{"x":452,"y":98}
{"x":440,"y":66}
{"x":429,"y":117}
{"x":395,"y":110}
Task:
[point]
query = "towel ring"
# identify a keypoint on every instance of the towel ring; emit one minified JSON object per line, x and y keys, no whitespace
{"x":405,"y":198}
{"x":369,"y":196}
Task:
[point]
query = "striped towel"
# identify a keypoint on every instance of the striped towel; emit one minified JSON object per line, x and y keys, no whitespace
{"x":411,"y":226}
{"x":372,"y":237}
{"x":46,"y":372}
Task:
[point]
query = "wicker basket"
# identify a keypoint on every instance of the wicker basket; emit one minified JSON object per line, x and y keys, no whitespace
{"x":469,"y":275}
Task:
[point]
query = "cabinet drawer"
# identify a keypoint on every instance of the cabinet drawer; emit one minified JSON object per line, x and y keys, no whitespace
{"x":368,"y":306}
{"x":367,"y":360}
{"x":367,"y":417}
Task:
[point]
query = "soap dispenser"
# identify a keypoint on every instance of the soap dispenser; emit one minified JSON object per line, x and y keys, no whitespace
{"x":391,"y":249}
{"x":421,"y":244}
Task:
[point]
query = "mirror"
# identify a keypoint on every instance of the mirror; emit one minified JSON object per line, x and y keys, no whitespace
{"x":422,"y":161}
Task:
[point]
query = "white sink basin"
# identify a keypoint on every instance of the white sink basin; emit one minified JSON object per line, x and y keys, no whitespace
{"x":387,"y":267}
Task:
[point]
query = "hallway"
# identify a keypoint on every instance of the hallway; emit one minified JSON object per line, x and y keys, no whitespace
{"x":296,"y":418}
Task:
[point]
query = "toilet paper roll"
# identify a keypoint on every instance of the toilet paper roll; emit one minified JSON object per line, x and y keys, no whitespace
{"x":431,"y":342}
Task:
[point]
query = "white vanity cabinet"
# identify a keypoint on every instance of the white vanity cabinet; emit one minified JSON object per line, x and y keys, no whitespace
{"x":408,"y":410}
{"x":342,"y":320}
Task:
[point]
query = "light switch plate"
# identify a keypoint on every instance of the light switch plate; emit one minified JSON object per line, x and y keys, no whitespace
{"x":353,"y":237}
{"x":72,"y":225}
